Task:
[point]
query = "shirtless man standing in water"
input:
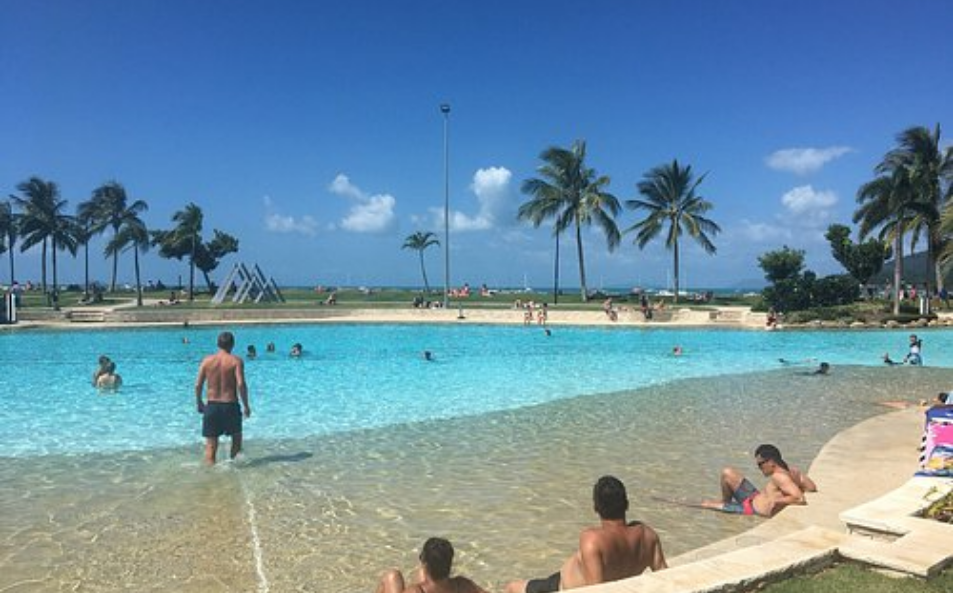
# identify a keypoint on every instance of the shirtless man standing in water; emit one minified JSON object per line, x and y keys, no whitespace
{"x":225,"y":374}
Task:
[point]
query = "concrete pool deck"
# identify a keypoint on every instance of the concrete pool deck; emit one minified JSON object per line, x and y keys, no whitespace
{"x":863,"y":511}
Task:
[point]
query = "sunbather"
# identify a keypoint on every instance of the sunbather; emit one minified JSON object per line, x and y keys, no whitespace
{"x":786,"y":486}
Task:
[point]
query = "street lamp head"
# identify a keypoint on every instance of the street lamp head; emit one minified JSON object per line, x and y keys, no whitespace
{"x":445,"y":108}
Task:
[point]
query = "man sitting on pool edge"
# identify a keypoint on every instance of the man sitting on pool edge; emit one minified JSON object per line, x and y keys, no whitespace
{"x":786,"y":486}
{"x":612,"y":551}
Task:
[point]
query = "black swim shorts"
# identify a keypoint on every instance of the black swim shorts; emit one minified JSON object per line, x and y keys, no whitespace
{"x":547,"y":585}
{"x":221,"y":418}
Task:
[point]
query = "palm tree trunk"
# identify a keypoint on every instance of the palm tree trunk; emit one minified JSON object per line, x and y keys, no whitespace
{"x":13,"y":275}
{"x":86,"y":270}
{"x":135,"y":256}
{"x":582,"y":264}
{"x":897,"y":273}
{"x":936,"y":247}
{"x":112,"y":282}
{"x":43,"y":266}
{"x":54,"y":297}
{"x":675,"y":298}
{"x":556,"y":273}
{"x":423,"y":271}
{"x":192,"y":272}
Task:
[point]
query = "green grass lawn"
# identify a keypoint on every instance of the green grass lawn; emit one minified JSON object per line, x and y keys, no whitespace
{"x":852,"y":578}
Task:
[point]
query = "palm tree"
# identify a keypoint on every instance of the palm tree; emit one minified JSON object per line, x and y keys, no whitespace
{"x":547,"y":196}
{"x":929,"y":168}
{"x":190,"y":225}
{"x":131,"y":234}
{"x":110,"y":210}
{"x":419,"y":242}
{"x":887,"y":203}
{"x":8,"y":234}
{"x":671,"y":198}
{"x":571,"y":193}
{"x":65,"y":236}
{"x":184,"y":239}
{"x":39,"y":202}
{"x":43,"y":221}
{"x":86,"y":221}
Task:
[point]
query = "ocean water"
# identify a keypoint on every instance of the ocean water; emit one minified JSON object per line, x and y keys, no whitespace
{"x":360,"y":450}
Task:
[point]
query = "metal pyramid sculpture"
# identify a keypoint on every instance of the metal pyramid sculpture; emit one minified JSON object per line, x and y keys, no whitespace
{"x":245,"y":285}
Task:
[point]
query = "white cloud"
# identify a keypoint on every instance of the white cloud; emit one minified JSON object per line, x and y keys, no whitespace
{"x":374,"y":216}
{"x":806,"y":210}
{"x":370,"y":214}
{"x":280,"y":223}
{"x":492,"y":189}
{"x":806,"y":201}
{"x":342,"y":186}
{"x":802,"y":161}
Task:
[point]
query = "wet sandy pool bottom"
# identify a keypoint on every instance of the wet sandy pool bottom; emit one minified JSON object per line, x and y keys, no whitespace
{"x":510,"y":489}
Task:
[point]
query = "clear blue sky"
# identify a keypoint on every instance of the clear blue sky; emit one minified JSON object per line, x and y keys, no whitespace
{"x":312,"y":130}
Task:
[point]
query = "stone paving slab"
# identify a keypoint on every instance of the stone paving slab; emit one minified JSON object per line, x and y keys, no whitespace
{"x":923,"y":553}
{"x":741,"y":570}
{"x":889,"y":516}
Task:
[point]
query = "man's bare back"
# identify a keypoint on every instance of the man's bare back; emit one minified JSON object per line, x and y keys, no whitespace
{"x":614,"y":550}
{"x":224,"y":374}
{"x":611,"y":552}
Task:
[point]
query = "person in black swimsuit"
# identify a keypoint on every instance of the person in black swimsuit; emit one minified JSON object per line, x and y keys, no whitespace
{"x":433,"y":576}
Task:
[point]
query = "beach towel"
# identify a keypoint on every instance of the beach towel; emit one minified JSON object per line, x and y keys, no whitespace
{"x":937,"y":458}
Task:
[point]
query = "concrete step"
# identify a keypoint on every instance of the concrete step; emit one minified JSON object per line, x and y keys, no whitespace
{"x":807,"y":550}
{"x":888,"y":517}
{"x":87,"y":315}
{"x":923,"y":552}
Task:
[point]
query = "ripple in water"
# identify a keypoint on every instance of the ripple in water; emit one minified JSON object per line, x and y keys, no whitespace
{"x":511,"y":489}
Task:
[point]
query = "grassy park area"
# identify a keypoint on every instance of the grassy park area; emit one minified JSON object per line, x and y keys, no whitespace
{"x":852,"y":578}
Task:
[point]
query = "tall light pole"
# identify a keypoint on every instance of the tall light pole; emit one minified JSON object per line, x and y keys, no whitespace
{"x":445,"y":109}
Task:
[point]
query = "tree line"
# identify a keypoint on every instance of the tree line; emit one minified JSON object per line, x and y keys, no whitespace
{"x":573,"y":196}
{"x":38,"y":215}
{"x":910,"y":197}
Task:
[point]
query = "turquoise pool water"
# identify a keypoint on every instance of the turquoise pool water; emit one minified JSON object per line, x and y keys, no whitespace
{"x":370,"y":376}
{"x":359,"y":451}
